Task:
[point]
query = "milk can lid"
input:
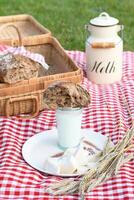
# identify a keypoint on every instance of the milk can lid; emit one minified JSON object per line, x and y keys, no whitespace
{"x":104,"y":19}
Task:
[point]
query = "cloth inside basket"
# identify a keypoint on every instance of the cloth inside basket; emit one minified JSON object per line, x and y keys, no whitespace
{"x":5,"y":50}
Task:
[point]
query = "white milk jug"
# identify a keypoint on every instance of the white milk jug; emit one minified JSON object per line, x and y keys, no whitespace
{"x":104,"y":50}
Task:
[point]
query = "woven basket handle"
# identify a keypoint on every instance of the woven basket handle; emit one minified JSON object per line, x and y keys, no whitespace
{"x":4,"y":26}
{"x":35,"y":111}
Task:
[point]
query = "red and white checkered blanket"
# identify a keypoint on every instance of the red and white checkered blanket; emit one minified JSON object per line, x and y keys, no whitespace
{"x":111,"y":113}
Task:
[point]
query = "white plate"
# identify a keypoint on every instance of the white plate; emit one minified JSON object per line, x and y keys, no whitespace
{"x":39,"y":147}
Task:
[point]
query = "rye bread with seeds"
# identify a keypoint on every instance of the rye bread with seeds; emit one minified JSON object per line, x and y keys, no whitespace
{"x":15,"y":68}
{"x":66,"y":95}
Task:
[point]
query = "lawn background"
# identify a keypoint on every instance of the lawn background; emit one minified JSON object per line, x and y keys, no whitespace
{"x":66,"y":18}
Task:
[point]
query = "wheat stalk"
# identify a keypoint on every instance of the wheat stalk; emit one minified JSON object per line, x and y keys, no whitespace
{"x":111,"y":160}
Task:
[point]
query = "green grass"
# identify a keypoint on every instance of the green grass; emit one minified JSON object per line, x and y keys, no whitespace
{"x":66,"y":18}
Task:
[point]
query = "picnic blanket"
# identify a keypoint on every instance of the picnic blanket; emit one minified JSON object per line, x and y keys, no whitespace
{"x":111,"y":113}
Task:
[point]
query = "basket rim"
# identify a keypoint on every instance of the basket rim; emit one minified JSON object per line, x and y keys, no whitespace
{"x":23,"y":94}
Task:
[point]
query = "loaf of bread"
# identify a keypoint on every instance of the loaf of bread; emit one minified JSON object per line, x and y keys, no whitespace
{"x":66,"y":95}
{"x":15,"y":68}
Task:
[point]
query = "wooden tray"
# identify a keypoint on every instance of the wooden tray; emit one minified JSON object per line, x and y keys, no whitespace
{"x":29,"y":28}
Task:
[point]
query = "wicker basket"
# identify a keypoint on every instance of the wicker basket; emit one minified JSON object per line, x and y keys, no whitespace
{"x":29,"y":27}
{"x":27,"y":96}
